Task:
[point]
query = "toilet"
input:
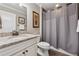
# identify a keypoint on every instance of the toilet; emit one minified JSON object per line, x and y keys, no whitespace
{"x":43,"y":48}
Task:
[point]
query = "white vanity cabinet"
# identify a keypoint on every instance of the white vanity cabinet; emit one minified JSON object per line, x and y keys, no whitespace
{"x":23,"y":48}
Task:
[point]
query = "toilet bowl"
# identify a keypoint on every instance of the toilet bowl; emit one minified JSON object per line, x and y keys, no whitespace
{"x":43,"y":48}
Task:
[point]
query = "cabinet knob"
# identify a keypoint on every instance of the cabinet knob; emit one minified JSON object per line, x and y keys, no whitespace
{"x":23,"y":52}
{"x":26,"y":50}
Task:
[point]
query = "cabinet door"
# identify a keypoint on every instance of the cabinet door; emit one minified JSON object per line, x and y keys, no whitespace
{"x":20,"y":53}
{"x":31,"y":51}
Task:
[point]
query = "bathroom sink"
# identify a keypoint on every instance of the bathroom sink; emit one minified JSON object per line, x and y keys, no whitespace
{"x":25,"y":35}
{"x":11,"y":37}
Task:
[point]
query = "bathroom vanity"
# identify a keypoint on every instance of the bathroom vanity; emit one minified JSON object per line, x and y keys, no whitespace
{"x":21,"y":45}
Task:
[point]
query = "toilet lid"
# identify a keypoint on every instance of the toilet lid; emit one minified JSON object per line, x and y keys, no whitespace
{"x":43,"y":44}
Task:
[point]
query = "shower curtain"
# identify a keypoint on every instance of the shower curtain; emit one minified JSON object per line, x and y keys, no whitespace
{"x":60,"y":28}
{"x":44,"y":26}
{"x":72,"y":42}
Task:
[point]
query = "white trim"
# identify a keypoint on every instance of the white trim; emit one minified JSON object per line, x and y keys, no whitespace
{"x":40,"y":22}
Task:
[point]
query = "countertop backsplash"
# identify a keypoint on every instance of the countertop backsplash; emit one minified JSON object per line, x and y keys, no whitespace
{"x":8,"y":34}
{"x":5,"y":34}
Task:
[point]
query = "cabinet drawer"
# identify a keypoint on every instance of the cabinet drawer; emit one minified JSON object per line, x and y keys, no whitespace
{"x":17,"y":47}
{"x":30,"y":51}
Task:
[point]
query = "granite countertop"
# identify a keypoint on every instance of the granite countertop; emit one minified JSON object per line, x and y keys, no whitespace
{"x":10,"y":40}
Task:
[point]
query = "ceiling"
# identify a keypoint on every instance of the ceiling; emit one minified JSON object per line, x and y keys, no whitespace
{"x":49,"y":6}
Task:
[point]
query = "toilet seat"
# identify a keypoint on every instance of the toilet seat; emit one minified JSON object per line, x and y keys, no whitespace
{"x":44,"y":45}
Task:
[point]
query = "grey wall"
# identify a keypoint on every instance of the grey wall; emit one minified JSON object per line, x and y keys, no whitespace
{"x":30,"y":8}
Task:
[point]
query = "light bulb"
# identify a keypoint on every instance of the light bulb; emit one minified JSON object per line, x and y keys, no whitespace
{"x":57,"y":5}
{"x":20,"y":4}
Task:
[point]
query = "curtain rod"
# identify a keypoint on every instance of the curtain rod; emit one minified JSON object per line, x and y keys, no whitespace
{"x":68,"y":4}
{"x":44,"y":10}
{"x":61,"y":6}
{"x":57,"y":8}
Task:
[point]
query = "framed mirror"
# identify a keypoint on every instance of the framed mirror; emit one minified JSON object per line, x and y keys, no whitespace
{"x":8,"y":17}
